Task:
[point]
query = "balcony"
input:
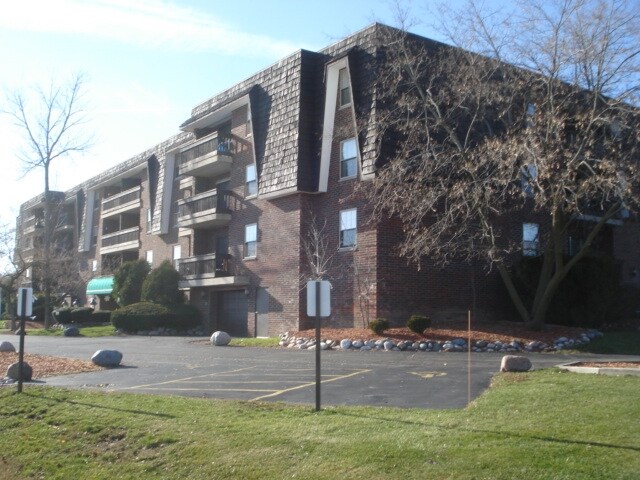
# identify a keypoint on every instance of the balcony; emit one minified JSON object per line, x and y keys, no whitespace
{"x":208,"y":270}
{"x":207,"y":157}
{"x":206,"y":210}
{"x":31,"y":224}
{"x":121,"y":240}
{"x":121,"y":202}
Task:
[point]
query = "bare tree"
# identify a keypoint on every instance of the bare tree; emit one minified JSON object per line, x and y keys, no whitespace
{"x":316,"y":251}
{"x":51,"y":122}
{"x":365,"y":284}
{"x":14,"y":266}
{"x":538,"y":121}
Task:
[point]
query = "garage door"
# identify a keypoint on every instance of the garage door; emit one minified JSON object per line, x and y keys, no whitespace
{"x":232,"y":313}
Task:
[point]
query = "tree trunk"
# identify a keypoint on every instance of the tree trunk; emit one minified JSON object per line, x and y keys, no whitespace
{"x":513,"y":293}
{"x":47,"y":249}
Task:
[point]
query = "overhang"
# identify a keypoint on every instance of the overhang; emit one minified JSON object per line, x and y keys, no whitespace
{"x":100,"y":286}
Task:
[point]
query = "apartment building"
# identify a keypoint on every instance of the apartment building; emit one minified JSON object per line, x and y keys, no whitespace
{"x":231,"y":200}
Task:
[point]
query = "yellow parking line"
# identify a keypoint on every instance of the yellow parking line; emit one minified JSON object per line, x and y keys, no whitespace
{"x":305,"y":385}
{"x":187,"y":378}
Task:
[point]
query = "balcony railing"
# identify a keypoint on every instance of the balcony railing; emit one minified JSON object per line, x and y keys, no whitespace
{"x":204,"y":266}
{"x":31,"y":224}
{"x":211,"y":155}
{"x":121,"y":237}
{"x":206,"y":209}
{"x":129,"y":198}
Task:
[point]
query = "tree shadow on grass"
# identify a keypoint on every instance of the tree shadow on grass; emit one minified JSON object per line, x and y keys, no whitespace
{"x":498,"y":433}
{"x":93,"y":405}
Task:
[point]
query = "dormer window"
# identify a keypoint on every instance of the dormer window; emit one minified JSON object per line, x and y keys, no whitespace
{"x":344,"y":87}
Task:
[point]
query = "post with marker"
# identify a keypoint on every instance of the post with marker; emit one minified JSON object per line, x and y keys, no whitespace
{"x":25,"y":302}
{"x":318,"y":305}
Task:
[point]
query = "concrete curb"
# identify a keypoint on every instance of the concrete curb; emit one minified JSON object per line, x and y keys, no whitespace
{"x":572,"y":367}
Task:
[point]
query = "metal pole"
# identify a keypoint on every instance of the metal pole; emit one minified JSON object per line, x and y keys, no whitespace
{"x":23,"y":314}
{"x":318,"y":346}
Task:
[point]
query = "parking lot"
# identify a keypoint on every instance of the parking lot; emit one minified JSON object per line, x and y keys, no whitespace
{"x":182,"y":366}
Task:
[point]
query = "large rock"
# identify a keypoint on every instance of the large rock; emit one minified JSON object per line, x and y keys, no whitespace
{"x":13,"y":371}
{"x":71,"y":332}
{"x":107,"y":358}
{"x":220,"y":339}
{"x":7,"y":347}
{"x":515,"y":363}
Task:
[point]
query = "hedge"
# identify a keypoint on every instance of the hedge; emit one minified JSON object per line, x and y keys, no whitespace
{"x":147,"y":316}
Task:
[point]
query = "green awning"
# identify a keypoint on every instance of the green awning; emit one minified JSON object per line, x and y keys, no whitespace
{"x":100,"y":286}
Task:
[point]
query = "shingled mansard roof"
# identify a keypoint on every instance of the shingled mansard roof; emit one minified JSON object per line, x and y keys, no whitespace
{"x":286,"y":101}
{"x":286,"y":110}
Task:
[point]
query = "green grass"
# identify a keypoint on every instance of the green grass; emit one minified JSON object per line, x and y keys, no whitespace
{"x":254,"y":342}
{"x":93,"y":331}
{"x":547,"y":424}
{"x":621,"y":343}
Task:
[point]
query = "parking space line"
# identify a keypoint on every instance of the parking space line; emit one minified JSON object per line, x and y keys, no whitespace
{"x":309,"y":384}
{"x":149,"y":385}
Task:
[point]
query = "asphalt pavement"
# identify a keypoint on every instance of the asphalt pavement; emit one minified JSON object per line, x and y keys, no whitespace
{"x":193,"y":367}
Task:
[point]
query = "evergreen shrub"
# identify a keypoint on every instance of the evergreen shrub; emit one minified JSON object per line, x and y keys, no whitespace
{"x":418,"y":323}
{"x":379,"y":325}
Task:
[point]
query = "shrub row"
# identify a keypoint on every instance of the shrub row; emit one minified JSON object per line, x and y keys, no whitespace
{"x":80,"y":315}
{"x":416,"y":323}
{"x":147,"y":316}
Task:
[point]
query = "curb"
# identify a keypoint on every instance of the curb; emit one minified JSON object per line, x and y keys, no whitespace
{"x":616,"y":371}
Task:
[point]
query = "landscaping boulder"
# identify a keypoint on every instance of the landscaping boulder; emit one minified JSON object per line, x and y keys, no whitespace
{"x":220,"y":339}
{"x":71,"y":332}
{"x":107,"y":358}
{"x":13,"y":371}
{"x":7,"y":347}
{"x":515,"y":363}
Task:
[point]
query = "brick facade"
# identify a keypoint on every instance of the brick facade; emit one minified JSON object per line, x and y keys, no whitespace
{"x":276,"y":121}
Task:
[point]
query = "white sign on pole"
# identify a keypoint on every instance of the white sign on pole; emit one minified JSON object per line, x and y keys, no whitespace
{"x":325,"y":298}
{"x":28,"y":303}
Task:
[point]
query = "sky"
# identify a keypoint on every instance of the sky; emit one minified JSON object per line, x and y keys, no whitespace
{"x":147,"y":63}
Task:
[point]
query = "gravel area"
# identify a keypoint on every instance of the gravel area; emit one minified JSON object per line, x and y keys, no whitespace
{"x":47,"y":366}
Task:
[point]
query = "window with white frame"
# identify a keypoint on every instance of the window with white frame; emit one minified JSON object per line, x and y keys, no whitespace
{"x":531,"y":112}
{"x":348,"y":158}
{"x":149,"y":218}
{"x":94,"y":265}
{"x":250,"y":240}
{"x":176,"y":255}
{"x":149,"y":257}
{"x":348,"y":228}
{"x":251,"y":183}
{"x":344,"y":87}
{"x":530,"y":239}
{"x":27,"y":273}
{"x":529,"y":174}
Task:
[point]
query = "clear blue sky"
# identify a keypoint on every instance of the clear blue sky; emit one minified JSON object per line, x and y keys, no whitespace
{"x":148,"y":62}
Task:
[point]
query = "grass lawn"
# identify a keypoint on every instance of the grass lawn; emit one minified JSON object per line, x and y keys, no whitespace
{"x":254,"y":342}
{"x":621,"y":343}
{"x":542,"y":425}
{"x":93,"y":331}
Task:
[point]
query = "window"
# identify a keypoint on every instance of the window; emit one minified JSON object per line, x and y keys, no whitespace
{"x":251,"y":184}
{"x":149,"y":216}
{"x":94,"y":265}
{"x":250,"y":240}
{"x":150,"y":257}
{"x":344,"y":87}
{"x":348,"y":223}
{"x":529,"y":174}
{"x":531,"y":112}
{"x":176,"y":255}
{"x":530,"y":241}
{"x":348,"y":154}
{"x":27,"y":273}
